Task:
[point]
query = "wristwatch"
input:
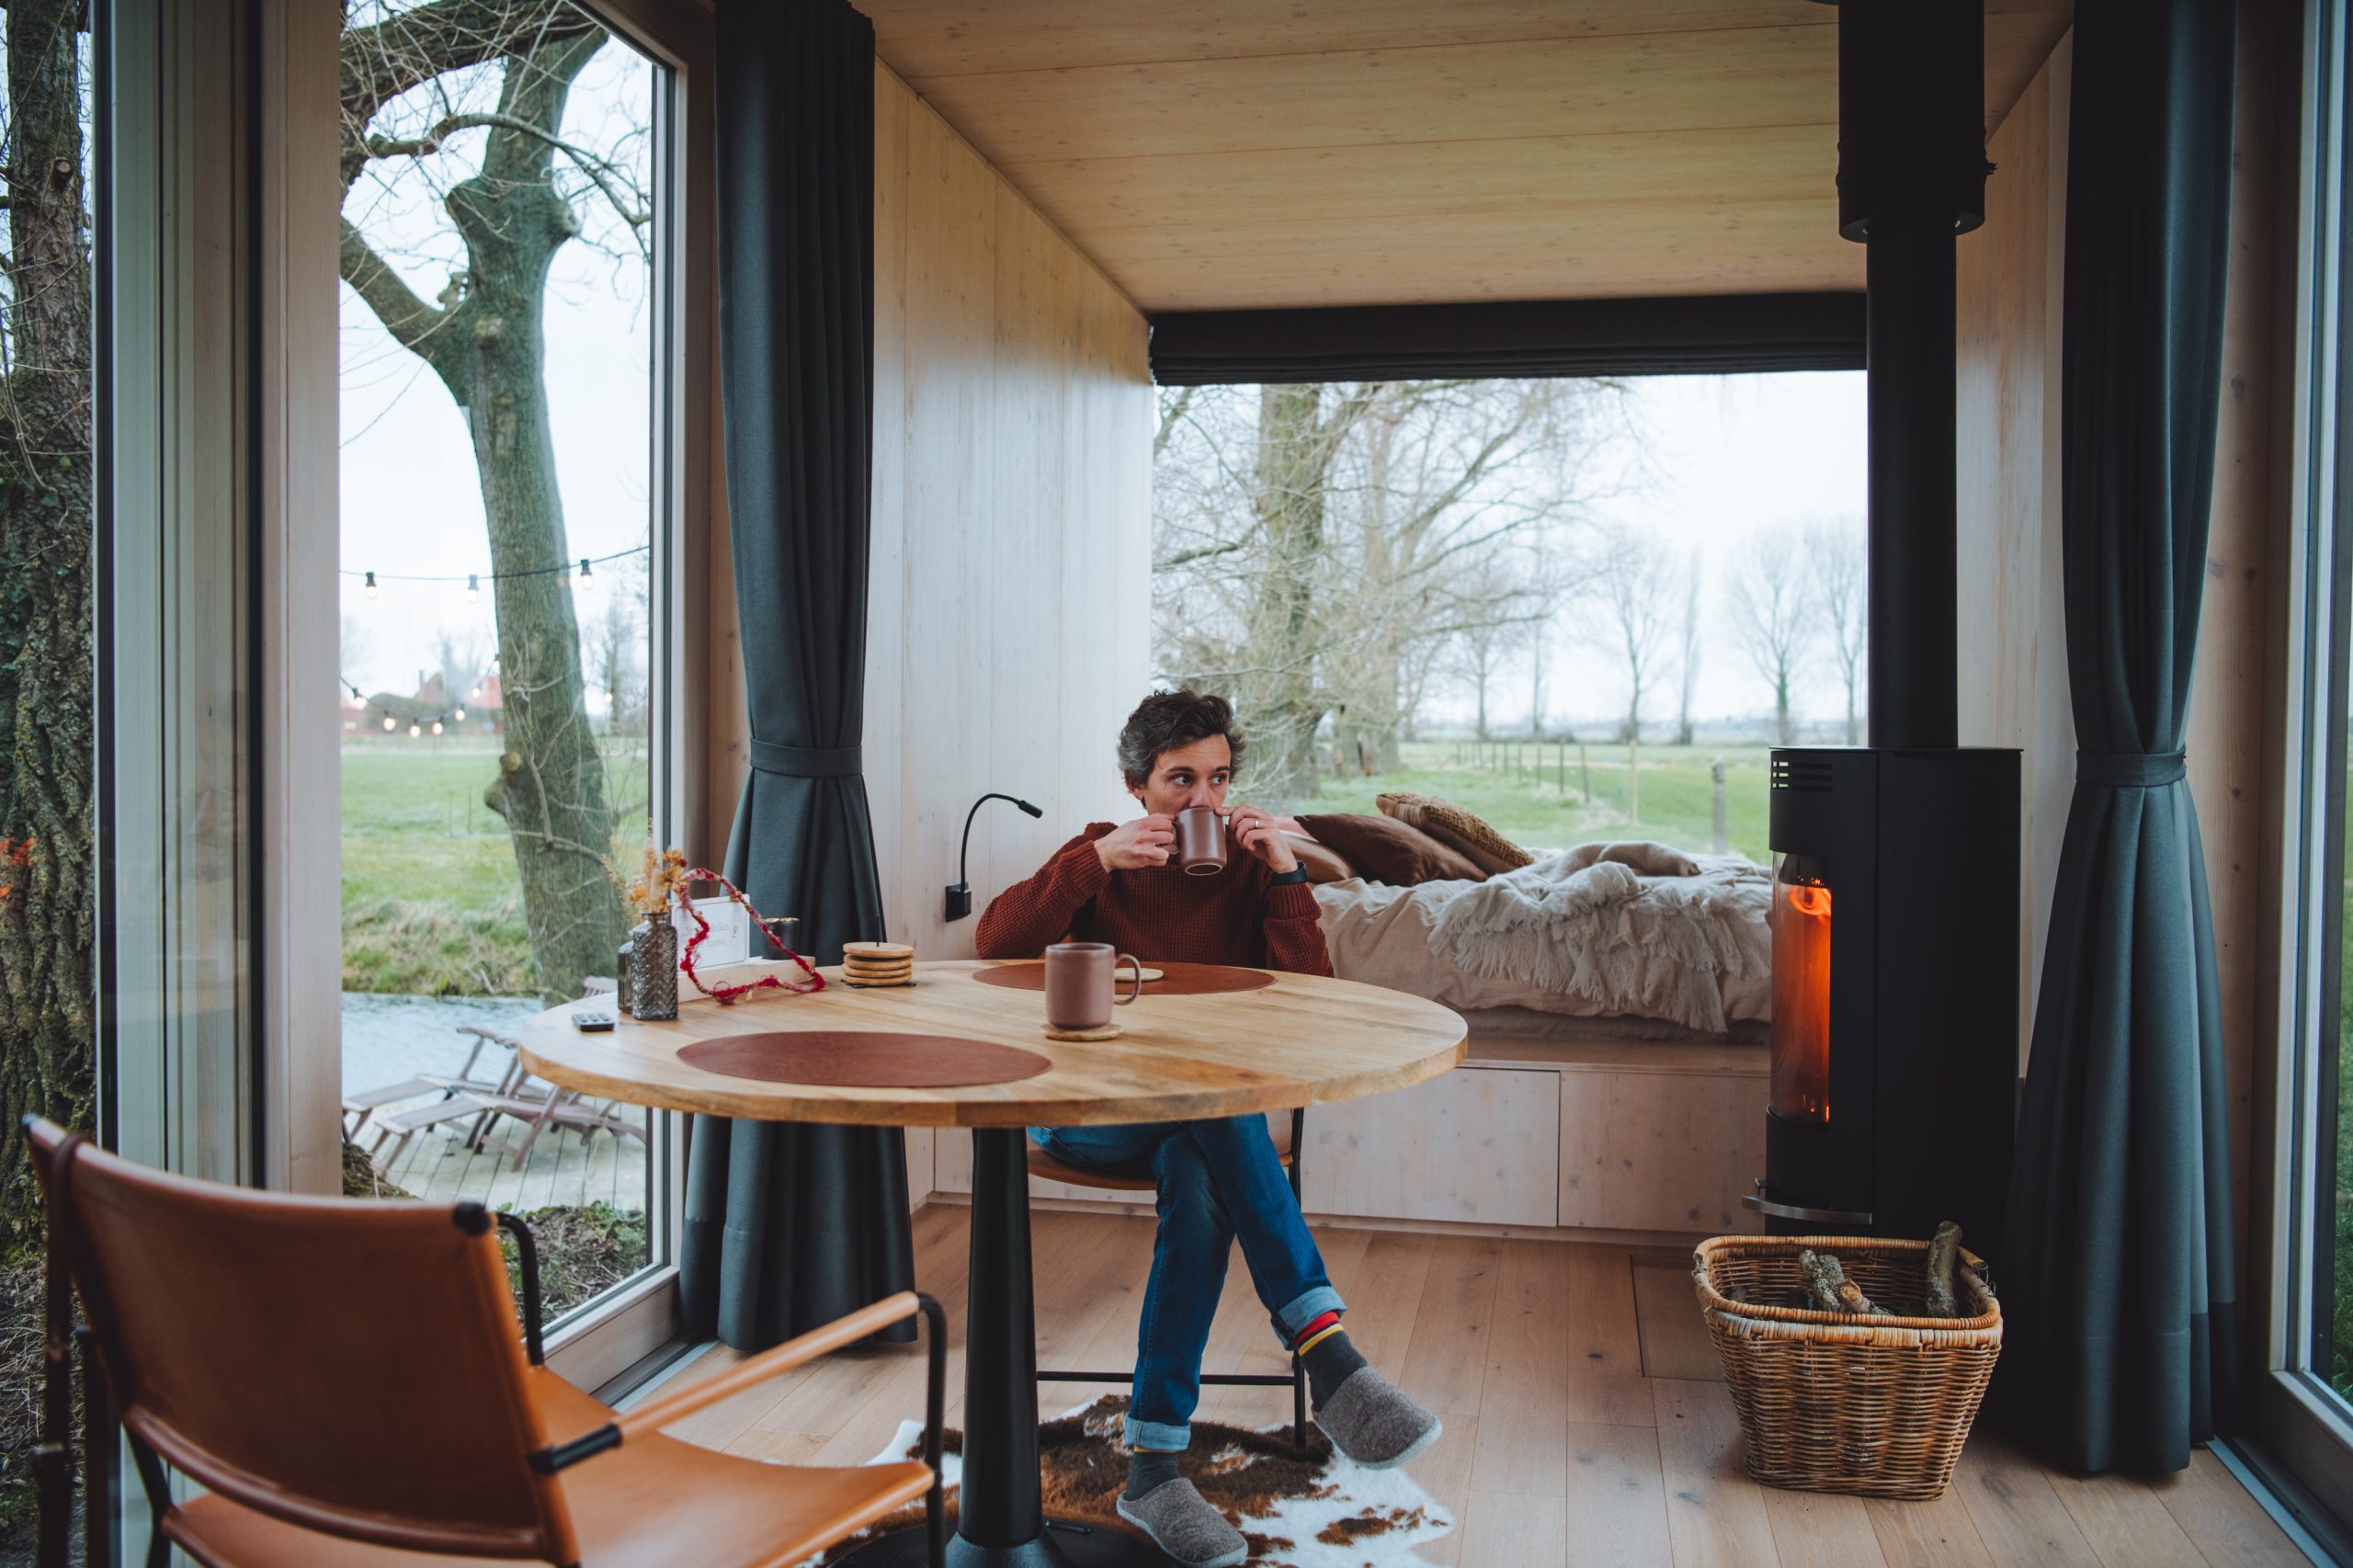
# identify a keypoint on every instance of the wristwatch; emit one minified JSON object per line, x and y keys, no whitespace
{"x":1285,"y":879}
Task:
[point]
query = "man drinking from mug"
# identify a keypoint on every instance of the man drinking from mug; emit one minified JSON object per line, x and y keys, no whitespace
{"x":1219,"y":1180}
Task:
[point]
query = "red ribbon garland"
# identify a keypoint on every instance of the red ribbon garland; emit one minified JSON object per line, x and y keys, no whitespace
{"x":727,"y":995}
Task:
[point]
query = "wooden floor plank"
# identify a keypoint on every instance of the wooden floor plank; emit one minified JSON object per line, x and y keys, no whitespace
{"x":1446,"y":1365}
{"x":2017,"y":1515}
{"x":2225,"y":1524}
{"x":1715,"y":1514}
{"x":1462,"y":1322}
{"x":1822,"y":1530}
{"x":1617,"y":1501}
{"x":2126,"y":1521}
{"x":1506,"y":1529}
{"x":1605,"y":1367}
{"x":1936,"y":1534}
{"x":1522,"y":1437}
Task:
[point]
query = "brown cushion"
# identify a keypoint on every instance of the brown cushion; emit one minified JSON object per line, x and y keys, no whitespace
{"x":1324,"y":863}
{"x":1463,"y":830}
{"x":1386,"y":850}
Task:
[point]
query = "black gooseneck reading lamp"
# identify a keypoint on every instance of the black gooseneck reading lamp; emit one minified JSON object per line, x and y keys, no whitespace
{"x":959,"y":896}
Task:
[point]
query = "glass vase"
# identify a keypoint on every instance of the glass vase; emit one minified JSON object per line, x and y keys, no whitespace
{"x":653,"y":971}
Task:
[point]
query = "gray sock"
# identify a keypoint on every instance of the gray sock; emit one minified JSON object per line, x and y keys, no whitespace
{"x":1147,"y":1468}
{"x":1329,"y":1364}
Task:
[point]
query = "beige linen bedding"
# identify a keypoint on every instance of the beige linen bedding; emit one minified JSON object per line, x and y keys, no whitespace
{"x":1572,"y":934}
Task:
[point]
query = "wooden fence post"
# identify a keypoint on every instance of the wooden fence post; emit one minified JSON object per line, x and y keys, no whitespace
{"x":1723,"y":831}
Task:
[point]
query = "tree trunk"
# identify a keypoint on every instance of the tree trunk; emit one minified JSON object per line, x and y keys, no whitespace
{"x":550,"y":784}
{"x":48,"y":917}
{"x":1286,"y":709}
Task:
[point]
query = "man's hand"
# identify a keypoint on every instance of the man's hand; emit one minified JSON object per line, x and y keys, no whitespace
{"x":1134,"y":845}
{"x":1252,"y":828}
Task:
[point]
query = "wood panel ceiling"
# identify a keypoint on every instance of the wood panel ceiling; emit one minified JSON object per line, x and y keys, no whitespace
{"x":1226,"y":154}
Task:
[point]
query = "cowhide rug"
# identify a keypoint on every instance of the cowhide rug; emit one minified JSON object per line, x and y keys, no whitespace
{"x":1320,"y":1512}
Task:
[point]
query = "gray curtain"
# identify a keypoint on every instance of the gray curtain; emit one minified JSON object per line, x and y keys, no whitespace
{"x":788,"y":1226}
{"x":2117,"y":1286}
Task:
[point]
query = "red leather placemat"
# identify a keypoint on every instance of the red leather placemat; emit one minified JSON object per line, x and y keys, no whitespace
{"x":1180,"y":978}
{"x":847,"y":1059}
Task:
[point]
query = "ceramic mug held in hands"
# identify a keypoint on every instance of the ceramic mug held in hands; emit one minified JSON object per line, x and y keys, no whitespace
{"x":1203,"y":847}
{"x":1081,"y":984}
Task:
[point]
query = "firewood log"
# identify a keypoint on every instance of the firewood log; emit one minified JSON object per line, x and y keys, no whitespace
{"x":1823,"y":1276}
{"x":1943,"y":1250}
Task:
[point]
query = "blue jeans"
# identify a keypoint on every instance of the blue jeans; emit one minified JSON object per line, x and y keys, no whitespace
{"x":1219,"y":1180}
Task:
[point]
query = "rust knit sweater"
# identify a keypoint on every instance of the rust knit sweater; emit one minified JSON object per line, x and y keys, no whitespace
{"x":1158,"y":914}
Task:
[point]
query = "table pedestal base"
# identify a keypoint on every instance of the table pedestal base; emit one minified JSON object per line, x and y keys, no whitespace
{"x":1064,"y":1544}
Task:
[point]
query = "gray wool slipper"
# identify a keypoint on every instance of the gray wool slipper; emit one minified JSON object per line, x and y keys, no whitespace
{"x":1370,"y":1422}
{"x":1182,"y":1523}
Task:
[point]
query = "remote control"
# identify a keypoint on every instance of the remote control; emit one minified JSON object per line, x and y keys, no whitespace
{"x":592,"y":1023}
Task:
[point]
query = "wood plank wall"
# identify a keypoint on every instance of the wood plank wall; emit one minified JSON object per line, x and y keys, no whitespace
{"x":2014,"y":683}
{"x":1012,"y":514}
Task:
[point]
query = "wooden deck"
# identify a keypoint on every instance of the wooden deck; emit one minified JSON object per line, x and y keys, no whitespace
{"x":1559,"y":1449}
{"x":564,"y":1169}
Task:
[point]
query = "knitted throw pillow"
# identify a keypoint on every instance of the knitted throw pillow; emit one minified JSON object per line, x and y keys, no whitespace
{"x":1459,"y":829}
{"x":1384,"y":850}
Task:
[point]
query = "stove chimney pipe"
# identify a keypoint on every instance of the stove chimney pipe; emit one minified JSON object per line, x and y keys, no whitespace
{"x":1911,"y":177}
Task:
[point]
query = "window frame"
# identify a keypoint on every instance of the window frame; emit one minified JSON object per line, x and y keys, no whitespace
{"x":2301,"y":1430}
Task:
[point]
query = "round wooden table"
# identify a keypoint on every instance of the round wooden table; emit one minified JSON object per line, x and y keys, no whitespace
{"x":1178,"y":1058}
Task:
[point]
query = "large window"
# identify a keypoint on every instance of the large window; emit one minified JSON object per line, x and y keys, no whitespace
{"x":501,"y":335}
{"x":1586,"y":609}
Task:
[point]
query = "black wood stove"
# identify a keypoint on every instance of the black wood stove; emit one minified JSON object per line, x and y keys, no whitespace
{"x":1895,"y":892}
{"x":1895,"y":976}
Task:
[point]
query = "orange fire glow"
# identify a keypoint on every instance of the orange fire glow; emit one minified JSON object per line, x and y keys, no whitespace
{"x":1801,"y":926}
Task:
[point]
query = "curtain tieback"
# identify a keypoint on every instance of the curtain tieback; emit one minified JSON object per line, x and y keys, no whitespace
{"x":2130,"y":769}
{"x":808,"y":762}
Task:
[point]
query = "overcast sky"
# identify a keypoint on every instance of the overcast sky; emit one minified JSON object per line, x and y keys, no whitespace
{"x":1726,"y":457}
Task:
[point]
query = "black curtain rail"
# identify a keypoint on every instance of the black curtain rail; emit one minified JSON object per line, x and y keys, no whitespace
{"x":1701,"y":334}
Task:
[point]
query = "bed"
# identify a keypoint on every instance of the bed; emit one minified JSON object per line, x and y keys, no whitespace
{"x":1622,"y":934}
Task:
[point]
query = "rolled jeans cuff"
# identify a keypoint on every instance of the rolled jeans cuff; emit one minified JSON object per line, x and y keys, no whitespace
{"x":1306,"y":1310}
{"x":1157,"y":1436}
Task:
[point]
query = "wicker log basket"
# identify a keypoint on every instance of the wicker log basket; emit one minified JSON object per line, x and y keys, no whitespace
{"x":1834,"y":1401}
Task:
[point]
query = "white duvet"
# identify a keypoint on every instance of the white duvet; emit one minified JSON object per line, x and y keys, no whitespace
{"x":1574,"y":933}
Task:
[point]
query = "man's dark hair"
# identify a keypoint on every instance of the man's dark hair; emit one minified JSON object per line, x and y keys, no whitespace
{"x":1169,"y":720}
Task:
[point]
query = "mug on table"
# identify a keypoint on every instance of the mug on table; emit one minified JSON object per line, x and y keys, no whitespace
{"x":1081,"y":985}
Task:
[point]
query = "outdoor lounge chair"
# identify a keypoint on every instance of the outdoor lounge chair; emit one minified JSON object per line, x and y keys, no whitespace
{"x":348,"y":1381}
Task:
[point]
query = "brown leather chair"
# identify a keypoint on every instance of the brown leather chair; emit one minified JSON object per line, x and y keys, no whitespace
{"x":348,"y":1381}
{"x":1289,"y":1141}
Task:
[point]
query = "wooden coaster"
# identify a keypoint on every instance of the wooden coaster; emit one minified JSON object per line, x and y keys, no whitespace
{"x":863,"y":966}
{"x":857,"y":985}
{"x":1109,"y":1031}
{"x":876,"y":976}
{"x":877,"y":951}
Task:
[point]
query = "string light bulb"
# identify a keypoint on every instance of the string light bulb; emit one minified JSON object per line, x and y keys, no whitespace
{"x":588,"y":582}
{"x":460,"y":715}
{"x":387,"y":723}
{"x":436,"y":726}
{"x":473,"y":589}
{"x":370,"y":586}
{"x":413,"y":729}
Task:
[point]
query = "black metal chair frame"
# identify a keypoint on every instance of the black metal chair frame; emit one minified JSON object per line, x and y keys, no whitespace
{"x":1296,"y":1379}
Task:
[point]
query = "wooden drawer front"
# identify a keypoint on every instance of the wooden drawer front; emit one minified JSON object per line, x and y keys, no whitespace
{"x":1661,"y":1151}
{"x":1477,"y":1144}
{"x":951,"y":1171}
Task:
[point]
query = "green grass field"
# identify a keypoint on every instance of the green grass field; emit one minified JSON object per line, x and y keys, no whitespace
{"x":430,"y":903}
{"x":1538,"y":799}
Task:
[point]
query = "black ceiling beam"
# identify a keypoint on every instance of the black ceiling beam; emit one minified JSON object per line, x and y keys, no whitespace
{"x":1696,"y":335}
